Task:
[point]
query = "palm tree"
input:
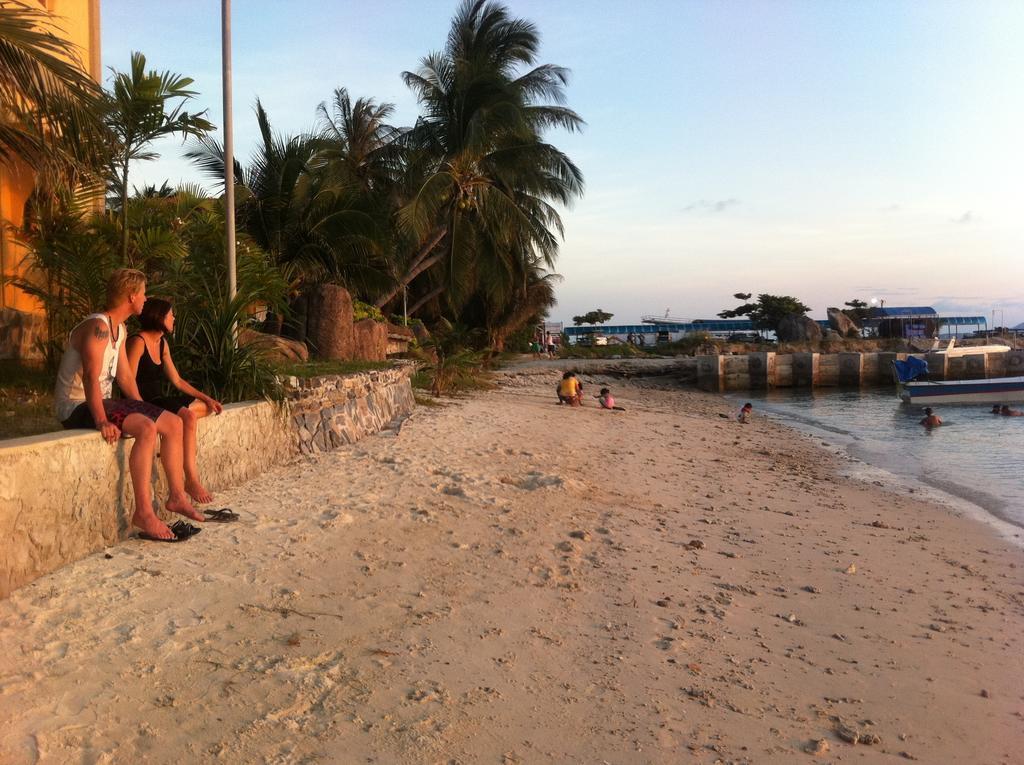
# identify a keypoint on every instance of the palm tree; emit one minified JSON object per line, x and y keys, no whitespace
{"x":356,"y":141}
{"x":315,"y":222}
{"x":51,"y":110}
{"x":487,"y":179}
{"x":140,"y":110}
{"x":524,"y":305}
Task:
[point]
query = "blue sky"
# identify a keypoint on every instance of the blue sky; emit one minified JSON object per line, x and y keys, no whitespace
{"x":828,"y":150}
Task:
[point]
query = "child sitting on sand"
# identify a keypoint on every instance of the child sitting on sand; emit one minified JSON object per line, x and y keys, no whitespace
{"x":569,"y":390}
{"x":744,"y":414}
{"x":607,"y":401}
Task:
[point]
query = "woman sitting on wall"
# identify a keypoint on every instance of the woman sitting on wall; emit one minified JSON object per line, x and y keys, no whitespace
{"x":150,"y":358}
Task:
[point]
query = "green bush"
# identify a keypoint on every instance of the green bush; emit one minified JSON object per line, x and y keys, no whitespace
{"x":361,"y":310}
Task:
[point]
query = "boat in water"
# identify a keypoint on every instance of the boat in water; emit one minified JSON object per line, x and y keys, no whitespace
{"x":996,"y":390}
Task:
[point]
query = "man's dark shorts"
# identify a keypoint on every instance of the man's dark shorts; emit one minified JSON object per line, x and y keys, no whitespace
{"x":116,"y":410}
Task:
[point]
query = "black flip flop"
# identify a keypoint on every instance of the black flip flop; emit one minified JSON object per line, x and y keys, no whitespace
{"x":150,"y":538}
{"x":224,"y":515}
{"x":183,"y":530}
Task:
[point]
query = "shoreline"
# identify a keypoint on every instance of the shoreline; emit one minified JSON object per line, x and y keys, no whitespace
{"x":511,"y":581}
{"x":952,"y":496}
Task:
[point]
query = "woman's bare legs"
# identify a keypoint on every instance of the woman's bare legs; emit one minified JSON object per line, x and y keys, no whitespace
{"x":190,"y":425}
{"x":168,"y":425}
{"x":140,"y":467}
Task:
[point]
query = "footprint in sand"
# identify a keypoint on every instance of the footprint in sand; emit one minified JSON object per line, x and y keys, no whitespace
{"x":334,"y":518}
{"x":536,"y":480}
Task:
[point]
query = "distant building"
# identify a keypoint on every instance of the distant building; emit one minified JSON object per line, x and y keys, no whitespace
{"x":919,"y":321}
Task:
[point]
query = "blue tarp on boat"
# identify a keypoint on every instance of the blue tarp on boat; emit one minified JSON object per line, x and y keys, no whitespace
{"x":910,"y":369}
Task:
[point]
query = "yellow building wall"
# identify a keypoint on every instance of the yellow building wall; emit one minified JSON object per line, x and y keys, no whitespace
{"x":77,"y":21}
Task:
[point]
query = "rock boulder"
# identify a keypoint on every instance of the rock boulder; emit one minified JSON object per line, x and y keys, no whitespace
{"x":842,"y":323}
{"x":329,"y":327}
{"x":795,"y":328}
{"x":370,"y":340}
{"x":274,"y":347}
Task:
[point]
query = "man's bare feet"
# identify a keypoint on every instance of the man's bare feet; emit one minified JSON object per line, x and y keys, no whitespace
{"x":147,"y":522}
{"x":182,"y":506}
{"x":198,"y":492}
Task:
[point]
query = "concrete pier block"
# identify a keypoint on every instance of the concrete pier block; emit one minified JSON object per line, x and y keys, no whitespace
{"x":806,"y":367}
{"x":784,"y":370}
{"x":851,"y":369}
{"x":884,"y":371}
{"x":761,"y":366}
{"x":938,"y":366}
{"x":711,"y":373}
{"x":828,"y":370}
{"x":975,"y":366}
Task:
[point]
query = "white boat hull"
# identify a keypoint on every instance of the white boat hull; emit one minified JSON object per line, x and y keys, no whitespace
{"x":997,"y":390}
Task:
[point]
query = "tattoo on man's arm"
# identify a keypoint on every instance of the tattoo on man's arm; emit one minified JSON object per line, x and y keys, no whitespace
{"x":100,"y":333}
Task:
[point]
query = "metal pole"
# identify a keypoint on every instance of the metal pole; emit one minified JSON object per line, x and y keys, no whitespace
{"x":229,"y":147}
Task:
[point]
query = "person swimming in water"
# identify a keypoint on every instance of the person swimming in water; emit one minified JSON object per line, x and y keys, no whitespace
{"x":930,"y":419}
{"x":1008,"y":412}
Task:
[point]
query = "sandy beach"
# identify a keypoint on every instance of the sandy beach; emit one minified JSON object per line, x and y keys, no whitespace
{"x":510,"y":581}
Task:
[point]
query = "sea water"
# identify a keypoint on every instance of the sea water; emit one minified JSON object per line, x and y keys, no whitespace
{"x":975,"y":456}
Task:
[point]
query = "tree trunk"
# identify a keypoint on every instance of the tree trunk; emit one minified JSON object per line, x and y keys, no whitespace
{"x":425,"y":299}
{"x":124,"y":213}
{"x":419,"y":265}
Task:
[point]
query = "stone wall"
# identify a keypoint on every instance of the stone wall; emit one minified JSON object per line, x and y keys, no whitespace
{"x":65,"y":495}
{"x":328,"y":412}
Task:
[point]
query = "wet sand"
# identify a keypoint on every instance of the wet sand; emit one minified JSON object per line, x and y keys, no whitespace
{"x":511,"y":581}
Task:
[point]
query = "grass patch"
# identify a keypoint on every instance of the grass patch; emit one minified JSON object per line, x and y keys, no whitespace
{"x":421,"y":380}
{"x":308,"y":369}
{"x":26,"y":400}
{"x":458,"y":381}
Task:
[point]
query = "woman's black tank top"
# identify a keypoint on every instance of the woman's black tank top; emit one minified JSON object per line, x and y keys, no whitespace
{"x":150,"y":377}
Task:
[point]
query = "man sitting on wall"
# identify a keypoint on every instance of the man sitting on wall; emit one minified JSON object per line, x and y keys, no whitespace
{"x":94,"y":358}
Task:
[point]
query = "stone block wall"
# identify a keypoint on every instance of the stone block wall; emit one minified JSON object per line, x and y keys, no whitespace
{"x":327,"y":412}
{"x":65,"y":495}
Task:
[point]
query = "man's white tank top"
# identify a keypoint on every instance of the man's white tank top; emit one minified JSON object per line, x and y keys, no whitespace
{"x":70,"y":392}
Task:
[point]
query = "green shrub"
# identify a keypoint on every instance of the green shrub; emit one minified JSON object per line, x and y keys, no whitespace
{"x":361,"y":310}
